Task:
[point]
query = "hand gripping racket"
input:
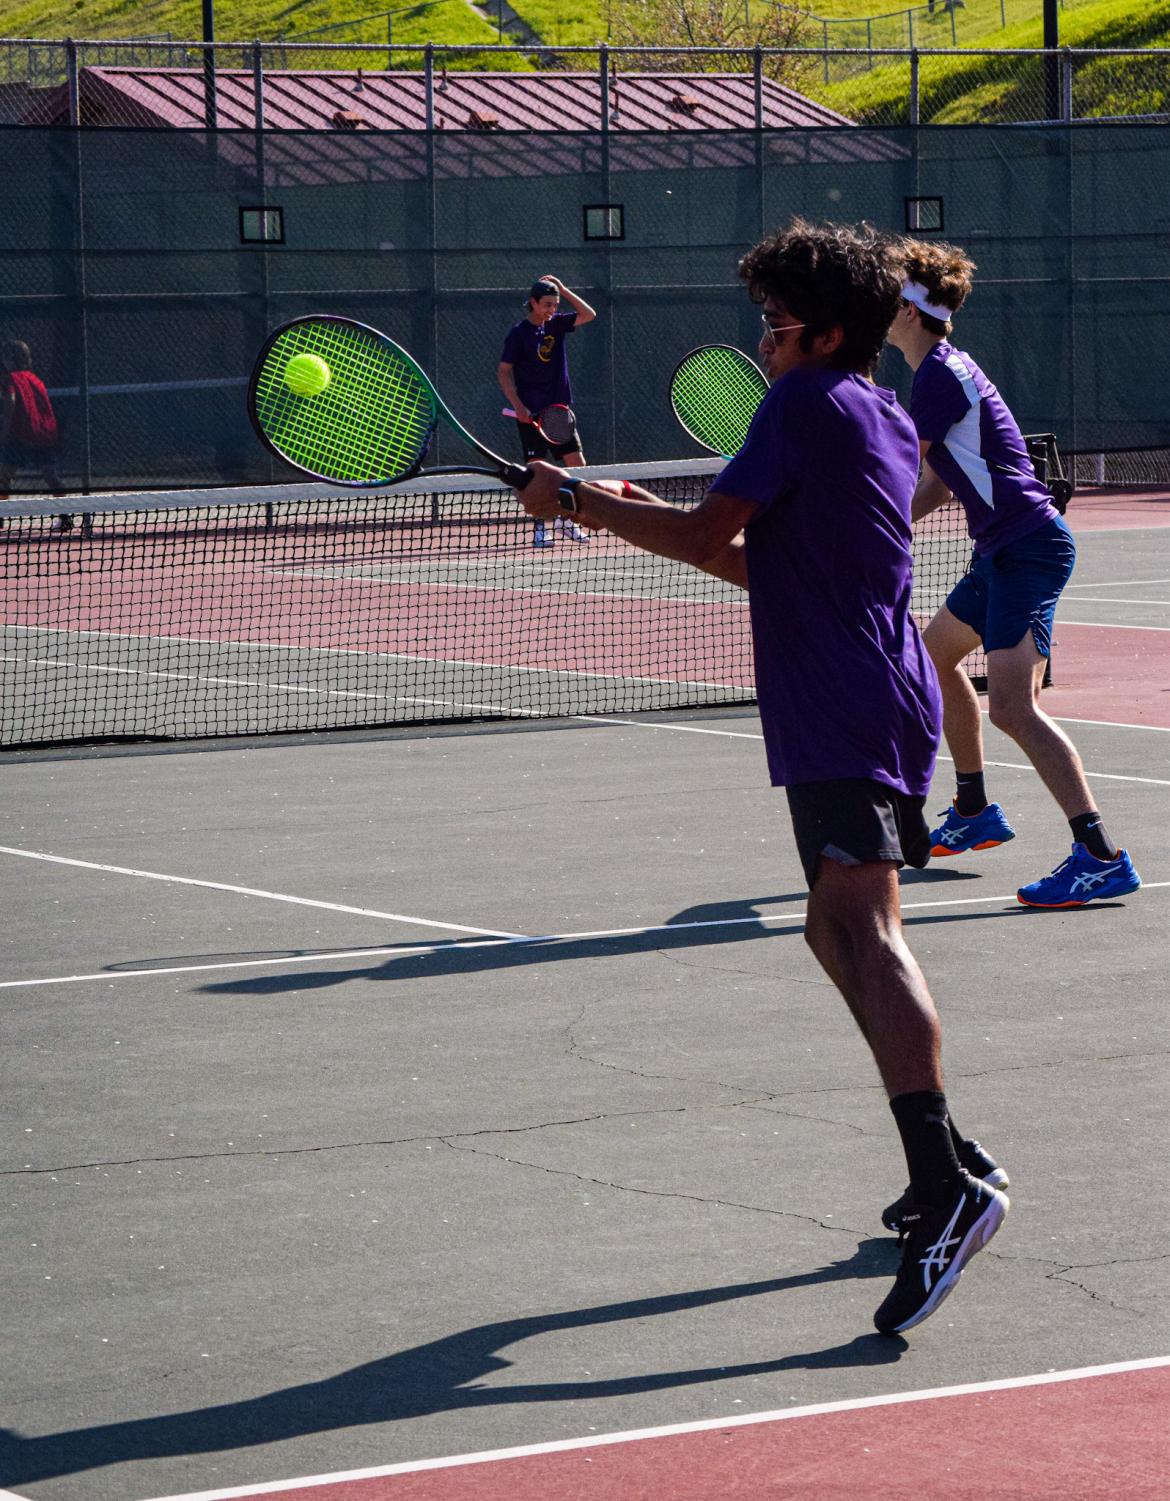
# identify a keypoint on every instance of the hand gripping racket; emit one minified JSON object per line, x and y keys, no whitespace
{"x":355,"y":408}
{"x":715,"y":391}
{"x":555,"y":424}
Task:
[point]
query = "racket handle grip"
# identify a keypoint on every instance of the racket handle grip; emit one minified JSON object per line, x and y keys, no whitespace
{"x":514,"y":475}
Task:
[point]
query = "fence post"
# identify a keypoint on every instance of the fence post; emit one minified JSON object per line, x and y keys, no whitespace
{"x":258,"y":90}
{"x":825,"y":38}
{"x":758,"y":81}
{"x":74,"y":83}
{"x":603,"y":80}
{"x":1066,"y":85}
{"x":914,"y":96}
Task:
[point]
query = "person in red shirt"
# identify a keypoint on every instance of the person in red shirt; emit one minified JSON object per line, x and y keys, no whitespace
{"x":28,"y":424}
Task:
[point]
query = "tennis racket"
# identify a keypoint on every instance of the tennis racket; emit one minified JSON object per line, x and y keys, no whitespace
{"x":715,"y":391}
{"x":555,"y":424}
{"x":354,"y":408}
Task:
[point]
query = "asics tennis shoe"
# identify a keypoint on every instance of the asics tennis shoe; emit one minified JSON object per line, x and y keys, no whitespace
{"x":1080,"y":879}
{"x":972,"y":1159}
{"x":956,"y":835}
{"x":937,"y":1244}
{"x":542,"y":536}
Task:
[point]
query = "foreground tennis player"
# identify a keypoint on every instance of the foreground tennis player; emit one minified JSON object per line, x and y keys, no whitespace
{"x":1024,"y":554}
{"x":812,"y":517}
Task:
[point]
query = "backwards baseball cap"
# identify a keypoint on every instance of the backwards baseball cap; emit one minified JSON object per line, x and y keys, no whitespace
{"x":543,"y":289}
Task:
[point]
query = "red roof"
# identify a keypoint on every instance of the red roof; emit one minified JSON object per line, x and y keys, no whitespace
{"x":478,"y":102}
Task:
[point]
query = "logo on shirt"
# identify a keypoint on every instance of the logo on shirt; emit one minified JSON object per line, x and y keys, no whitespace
{"x":544,"y":350}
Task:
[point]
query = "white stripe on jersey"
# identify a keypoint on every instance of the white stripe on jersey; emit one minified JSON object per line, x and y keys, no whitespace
{"x":962,"y":442}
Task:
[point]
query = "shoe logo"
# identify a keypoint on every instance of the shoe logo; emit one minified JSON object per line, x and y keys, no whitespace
{"x":1093,"y":878}
{"x":937,"y":1256}
{"x":952,"y":836}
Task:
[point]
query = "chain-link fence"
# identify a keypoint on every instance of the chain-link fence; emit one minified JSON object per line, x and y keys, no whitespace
{"x":144,"y":267}
{"x":153,"y":82}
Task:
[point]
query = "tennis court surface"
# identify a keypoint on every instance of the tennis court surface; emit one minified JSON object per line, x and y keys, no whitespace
{"x":441,"y":1110}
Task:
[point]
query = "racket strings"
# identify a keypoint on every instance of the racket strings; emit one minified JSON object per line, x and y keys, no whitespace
{"x":715,"y":393}
{"x":374,"y":420}
{"x":557,"y":424}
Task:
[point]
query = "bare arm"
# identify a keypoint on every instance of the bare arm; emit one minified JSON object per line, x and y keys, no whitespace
{"x":708,"y":537}
{"x":508,"y":386}
{"x":930,"y":492}
{"x":585,"y":314}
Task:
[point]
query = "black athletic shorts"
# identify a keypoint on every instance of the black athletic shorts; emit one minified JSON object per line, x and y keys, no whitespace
{"x":856,"y":821}
{"x":535,"y":446}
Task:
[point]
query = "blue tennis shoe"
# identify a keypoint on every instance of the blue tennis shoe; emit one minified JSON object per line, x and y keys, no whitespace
{"x":956,"y":835}
{"x":1082,"y":878}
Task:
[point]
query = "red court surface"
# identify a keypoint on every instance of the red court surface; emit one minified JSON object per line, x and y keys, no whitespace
{"x":1093,"y":1435}
{"x":1108,"y":510}
{"x":1102,"y":673}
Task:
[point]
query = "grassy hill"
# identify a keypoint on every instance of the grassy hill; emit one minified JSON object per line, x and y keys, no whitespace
{"x":956,"y":91}
{"x":952,"y":90}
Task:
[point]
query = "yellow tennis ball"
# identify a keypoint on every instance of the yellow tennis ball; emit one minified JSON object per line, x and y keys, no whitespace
{"x":306,"y":375}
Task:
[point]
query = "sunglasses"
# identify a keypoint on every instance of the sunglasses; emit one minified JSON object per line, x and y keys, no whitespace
{"x":772,"y":329}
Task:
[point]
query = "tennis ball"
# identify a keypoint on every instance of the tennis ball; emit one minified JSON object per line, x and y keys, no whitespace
{"x":306,"y":375}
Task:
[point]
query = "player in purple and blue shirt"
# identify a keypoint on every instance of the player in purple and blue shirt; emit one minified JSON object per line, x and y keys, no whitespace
{"x":812,"y":517}
{"x":534,"y":373}
{"x":1024,"y":554}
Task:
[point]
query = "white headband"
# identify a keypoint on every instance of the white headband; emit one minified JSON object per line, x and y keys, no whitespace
{"x":913,"y":292}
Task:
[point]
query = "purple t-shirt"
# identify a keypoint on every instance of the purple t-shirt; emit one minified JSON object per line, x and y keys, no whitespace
{"x":539,"y":361}
{"x":845,"y":685}
{"x":976,"y":449}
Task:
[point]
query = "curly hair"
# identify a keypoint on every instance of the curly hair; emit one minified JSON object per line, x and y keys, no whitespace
{"x":828,"y":275}
{"x":14,"y":354}
{"x":944,"y":270}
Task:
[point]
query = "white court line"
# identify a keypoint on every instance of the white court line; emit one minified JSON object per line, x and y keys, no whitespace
{"x":1111,"y":599}
{"x":536,"y":940}
{"x":272,"y":896}
{"x":1099,"y":776}
{"x":1109,"y":625}
{"x":690,"y":729}
{"x":1112,"y":724}
{"x":336,"y":651}
{"x":1116,"y":584}
{"x":671,"y":1430}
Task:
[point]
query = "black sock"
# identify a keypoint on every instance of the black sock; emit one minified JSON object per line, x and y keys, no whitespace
{"x":926,"y":1139}
{"x":970,"y":793}
{"x":1089,"y":830}
{"x":957,"y":1138}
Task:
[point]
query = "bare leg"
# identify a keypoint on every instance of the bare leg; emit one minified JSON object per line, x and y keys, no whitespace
{"x":948,"y":641}
{"x":854,"y":927}
{"x":1014,"y":678}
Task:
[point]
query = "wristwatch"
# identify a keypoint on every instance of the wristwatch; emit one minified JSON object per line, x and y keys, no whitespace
{"x":567,"y":494}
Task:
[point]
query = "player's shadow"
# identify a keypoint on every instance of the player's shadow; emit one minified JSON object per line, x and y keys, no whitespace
{"x":417,"y":960}
{"x":445,"y":1375}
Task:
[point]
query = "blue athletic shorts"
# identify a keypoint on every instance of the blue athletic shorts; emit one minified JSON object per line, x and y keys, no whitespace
{"x":1015,"y":590}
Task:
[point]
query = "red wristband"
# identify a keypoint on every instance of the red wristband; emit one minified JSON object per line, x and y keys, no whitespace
{"x":627,"y":489}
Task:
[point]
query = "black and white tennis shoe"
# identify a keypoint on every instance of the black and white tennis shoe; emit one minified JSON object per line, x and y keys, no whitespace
{"x":937,"y":1244}
{"x":974,"y":1160}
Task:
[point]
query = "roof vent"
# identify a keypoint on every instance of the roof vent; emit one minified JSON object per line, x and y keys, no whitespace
{"x":360,"y":84}
{"x":685,"y":104}
{"x":346,"y":119}
{"x":479,"y":120}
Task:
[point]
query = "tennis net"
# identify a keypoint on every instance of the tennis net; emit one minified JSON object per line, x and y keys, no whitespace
{"x":295,"y":608}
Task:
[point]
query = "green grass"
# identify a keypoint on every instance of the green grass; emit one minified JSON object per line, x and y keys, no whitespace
{"x":990,"y":88}
{"x":953,"y":91}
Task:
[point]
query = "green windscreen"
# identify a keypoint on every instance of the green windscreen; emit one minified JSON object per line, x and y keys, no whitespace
{"x":715,"y":393}
{"x":372,"y":422}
